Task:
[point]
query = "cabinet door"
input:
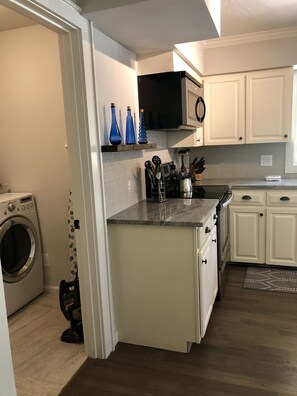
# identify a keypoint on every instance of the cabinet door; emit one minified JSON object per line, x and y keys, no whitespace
{"x":208,"y":279}
{"x":185,"y":139}
{"x":247,"y":231}
{"x":269,"y":106}
{"x":225,"y":109}
{"x":281,"y":236}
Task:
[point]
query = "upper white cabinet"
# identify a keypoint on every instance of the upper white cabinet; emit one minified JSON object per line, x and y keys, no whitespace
{"x":193,"y":138}
{"x":254,"y":107}
{"x":269,"y":106}
{"x":225,"y":105}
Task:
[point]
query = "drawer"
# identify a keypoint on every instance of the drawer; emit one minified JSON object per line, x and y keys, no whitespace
{"x":204,"y":232}
{"x":249,"y":197}
{"x":282,"y":198}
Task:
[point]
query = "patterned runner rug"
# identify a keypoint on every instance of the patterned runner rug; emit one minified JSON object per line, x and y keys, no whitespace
{"x":271,"y":279}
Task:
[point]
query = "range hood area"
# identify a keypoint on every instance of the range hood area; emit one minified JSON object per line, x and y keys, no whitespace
{"x":130,"y":22}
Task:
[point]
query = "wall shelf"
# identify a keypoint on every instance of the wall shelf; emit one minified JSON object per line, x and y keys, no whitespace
{"x":127,"y":147}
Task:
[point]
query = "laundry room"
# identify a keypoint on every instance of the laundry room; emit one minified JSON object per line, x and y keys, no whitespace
{"x":33,"y":142}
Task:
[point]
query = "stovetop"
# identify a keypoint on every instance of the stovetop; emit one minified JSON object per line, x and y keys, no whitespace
{"x":172,"y":186}
{"x":209,"y":191}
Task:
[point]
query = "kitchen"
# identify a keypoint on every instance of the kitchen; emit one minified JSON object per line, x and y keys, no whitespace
{"x":128,"y":189}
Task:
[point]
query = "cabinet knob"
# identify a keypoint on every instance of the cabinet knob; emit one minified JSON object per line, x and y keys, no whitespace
{"x":285,"y":136}
{"x":215,"y":217}
{"x":214,"y":240}
{"x":284,"y":198}
{"x":261,"y":215}
{"x":204,"y":261}
{"x":240,"y":138}
{"x":207,"y":230}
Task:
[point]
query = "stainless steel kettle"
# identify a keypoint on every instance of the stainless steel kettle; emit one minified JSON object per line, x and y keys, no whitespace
{"x":185,"y":185}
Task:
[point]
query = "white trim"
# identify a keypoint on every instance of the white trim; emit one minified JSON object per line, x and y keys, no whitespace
{"x":250,"y":38}
{"x":186,"y":60}
{"x":74,"y":5}
{"x":7,"y":382}
{"x":291,"y":147}
{"x":82,"y":129}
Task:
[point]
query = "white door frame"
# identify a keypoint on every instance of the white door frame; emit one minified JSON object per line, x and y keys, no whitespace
{"x":85,"y":159}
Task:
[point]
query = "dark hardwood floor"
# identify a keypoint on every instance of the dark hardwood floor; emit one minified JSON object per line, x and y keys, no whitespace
{"x":250,"y":348}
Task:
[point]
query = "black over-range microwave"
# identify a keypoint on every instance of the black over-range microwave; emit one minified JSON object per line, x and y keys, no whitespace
{"x":171,"y":100}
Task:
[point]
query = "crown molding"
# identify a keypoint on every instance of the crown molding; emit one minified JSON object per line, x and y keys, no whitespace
{"x":250,"y":38}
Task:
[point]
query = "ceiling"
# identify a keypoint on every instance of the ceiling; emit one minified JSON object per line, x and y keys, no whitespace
{"x":128,"y":20}
{"x":250,"y":16}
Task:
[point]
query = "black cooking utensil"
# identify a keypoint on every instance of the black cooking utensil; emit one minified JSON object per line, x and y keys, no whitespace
{"x":150,"y":170}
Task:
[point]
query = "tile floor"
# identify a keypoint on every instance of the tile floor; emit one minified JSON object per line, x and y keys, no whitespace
{"x":42,"y":363}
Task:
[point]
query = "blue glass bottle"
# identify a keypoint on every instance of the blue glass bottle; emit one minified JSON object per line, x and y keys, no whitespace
{"x":142,"y":136}
{"x":115,"y":137}
{"x":130,"y":134}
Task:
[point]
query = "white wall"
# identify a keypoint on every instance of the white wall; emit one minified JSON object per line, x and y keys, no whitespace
{"x":116,"y":81}
{"x":242,"y":56}
{"x":33,"y":135}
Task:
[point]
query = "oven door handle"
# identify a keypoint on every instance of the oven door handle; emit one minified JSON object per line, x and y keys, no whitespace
{"x":228,"y":199}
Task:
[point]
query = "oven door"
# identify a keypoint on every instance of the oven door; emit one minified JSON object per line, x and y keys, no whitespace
{"x":224,"y":226}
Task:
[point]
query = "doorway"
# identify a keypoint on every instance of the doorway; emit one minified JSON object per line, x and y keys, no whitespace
{"x":82,"y":126}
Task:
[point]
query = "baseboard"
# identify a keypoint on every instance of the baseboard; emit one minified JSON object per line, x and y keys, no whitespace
{"x":51,"y":288}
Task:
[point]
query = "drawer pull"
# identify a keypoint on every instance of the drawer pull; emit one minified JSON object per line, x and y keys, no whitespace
{"x":284,"y":198}
{"x":247,"y":197}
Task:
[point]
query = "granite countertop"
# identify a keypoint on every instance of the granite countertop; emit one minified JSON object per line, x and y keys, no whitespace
{"x":250,"y":183}
{"x":172,"y":212}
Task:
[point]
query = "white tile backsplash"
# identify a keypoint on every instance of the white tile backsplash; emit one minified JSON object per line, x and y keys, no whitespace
{"x":124,"y":180}
{"x":242,"y":161}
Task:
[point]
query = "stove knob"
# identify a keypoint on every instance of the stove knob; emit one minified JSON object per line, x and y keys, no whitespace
{"x":11,"y":206}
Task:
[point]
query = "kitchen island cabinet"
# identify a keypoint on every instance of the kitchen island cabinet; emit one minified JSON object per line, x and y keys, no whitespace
{"x":164,"y":276}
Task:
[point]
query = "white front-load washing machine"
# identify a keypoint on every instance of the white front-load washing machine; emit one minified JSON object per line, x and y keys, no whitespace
{"x":20,"y":250}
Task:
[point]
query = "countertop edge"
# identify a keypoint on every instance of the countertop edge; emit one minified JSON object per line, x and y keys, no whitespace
{"x":155,"y":223}
{"x":237,"y":184}
{"x":131,"y":215}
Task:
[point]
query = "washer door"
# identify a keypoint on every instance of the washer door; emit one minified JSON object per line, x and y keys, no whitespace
{"x":17,"y":248}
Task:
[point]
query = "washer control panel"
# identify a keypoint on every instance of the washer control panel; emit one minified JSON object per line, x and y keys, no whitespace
{"x":17,"y":205}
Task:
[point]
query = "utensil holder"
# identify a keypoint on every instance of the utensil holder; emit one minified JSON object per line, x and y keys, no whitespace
{"x":158,"y":191}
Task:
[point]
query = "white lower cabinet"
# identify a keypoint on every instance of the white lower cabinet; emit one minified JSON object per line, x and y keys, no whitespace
{"x":207,"y":279}
{"x":163,"y":290}
{"x":247,"y":230}
{"x":263,"y":227}
{"x":281,"y":236}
